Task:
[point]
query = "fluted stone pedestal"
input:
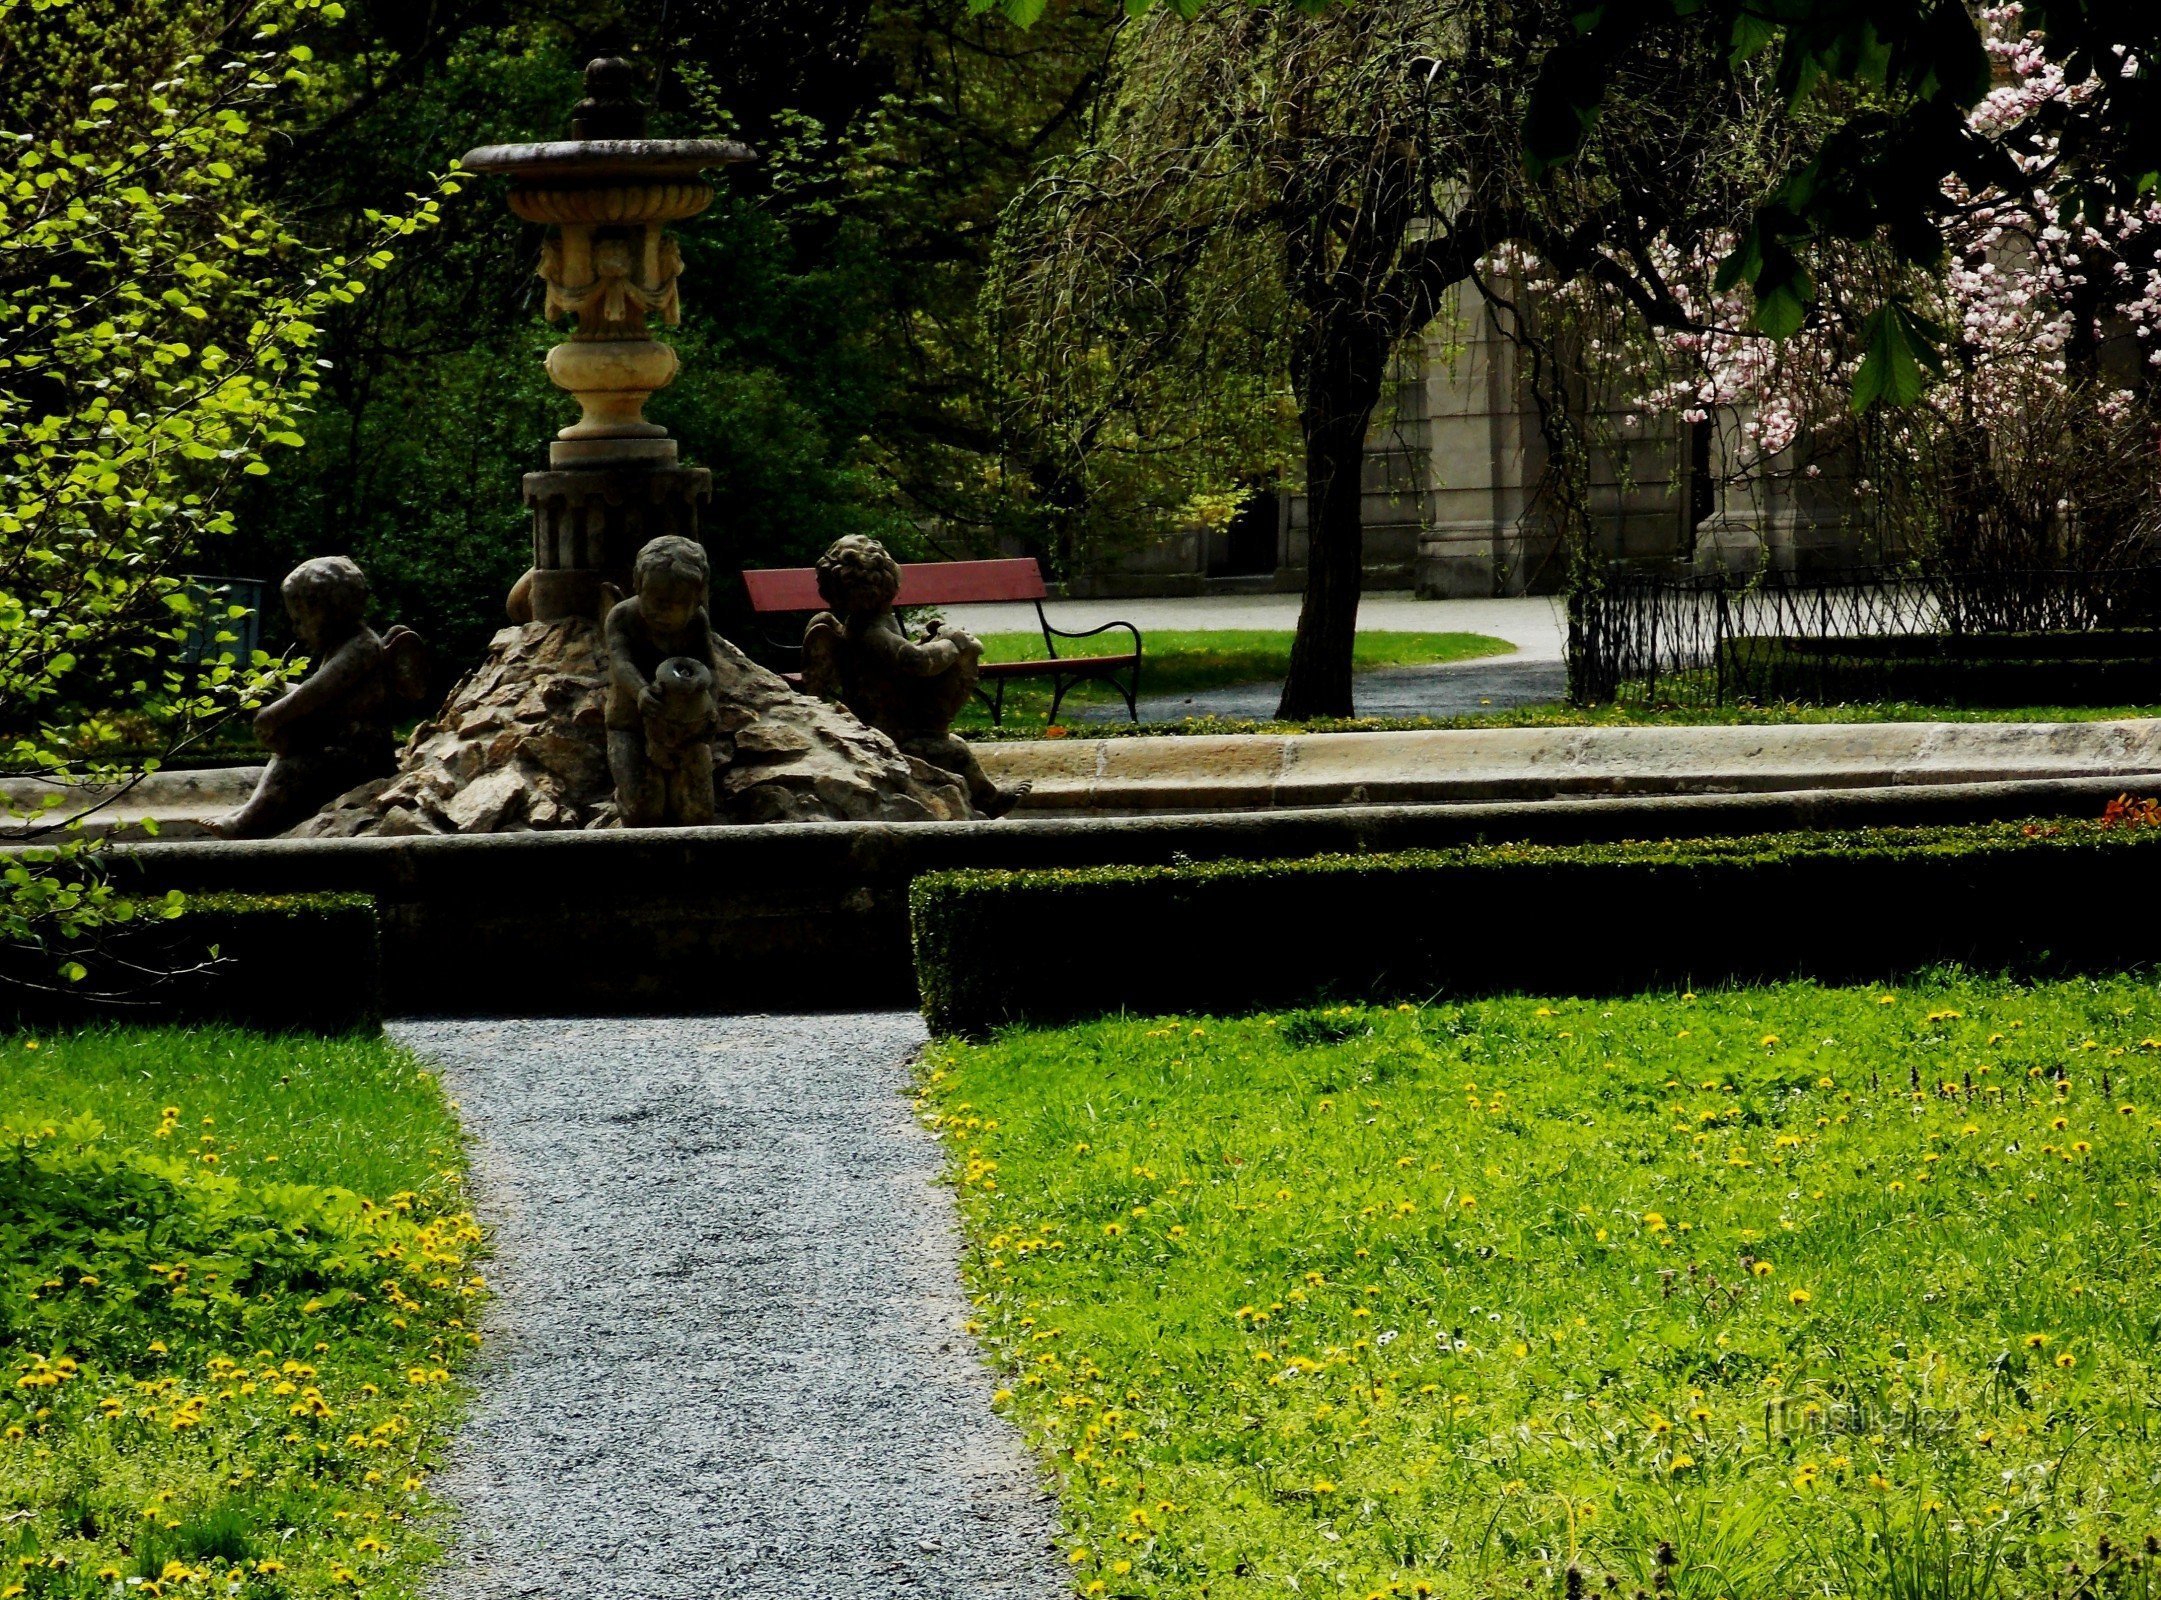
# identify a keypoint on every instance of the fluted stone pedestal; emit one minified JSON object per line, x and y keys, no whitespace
{"x":590,"y":520}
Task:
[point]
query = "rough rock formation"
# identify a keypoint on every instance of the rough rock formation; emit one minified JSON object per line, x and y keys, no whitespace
{"x":520,"y":745}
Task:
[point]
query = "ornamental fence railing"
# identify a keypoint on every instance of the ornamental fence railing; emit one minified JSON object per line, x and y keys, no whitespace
{"x":1996,"y":637}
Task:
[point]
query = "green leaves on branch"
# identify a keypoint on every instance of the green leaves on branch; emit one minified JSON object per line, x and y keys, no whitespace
{"x":1899,"y":357}
{"x":157,"y":328}
{"x":1899,"y":78}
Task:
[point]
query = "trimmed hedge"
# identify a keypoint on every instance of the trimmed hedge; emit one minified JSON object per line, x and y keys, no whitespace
{"x":2104,"y":667}
{"x":1047,"y":947}
{"x":302,"y":962}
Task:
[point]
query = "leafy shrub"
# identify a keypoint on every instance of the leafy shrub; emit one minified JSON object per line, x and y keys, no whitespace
{"x":1603,"y":917}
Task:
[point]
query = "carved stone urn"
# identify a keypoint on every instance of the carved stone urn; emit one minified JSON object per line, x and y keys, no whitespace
{"x":607,"y":195}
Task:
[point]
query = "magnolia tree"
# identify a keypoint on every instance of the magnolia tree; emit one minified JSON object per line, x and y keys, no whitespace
{"x":2025,"y":367}
{"x":156,"y":330}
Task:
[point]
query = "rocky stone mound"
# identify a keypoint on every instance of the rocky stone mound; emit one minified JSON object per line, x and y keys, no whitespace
{"x":520,"y":744}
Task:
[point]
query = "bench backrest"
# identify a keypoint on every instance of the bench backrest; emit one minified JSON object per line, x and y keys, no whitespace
{"x":922,"y":583}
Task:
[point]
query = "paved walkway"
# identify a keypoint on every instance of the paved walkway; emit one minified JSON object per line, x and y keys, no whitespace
{"x":1534,"y":675}
{"x":1534,"y":624}
{"x":726,"y":1361}
{"x":1462,"y":688}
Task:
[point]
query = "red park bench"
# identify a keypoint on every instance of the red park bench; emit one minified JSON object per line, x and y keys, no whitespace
{"x":777,"y":591}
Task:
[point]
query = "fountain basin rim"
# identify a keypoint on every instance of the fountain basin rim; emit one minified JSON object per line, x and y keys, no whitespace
{"x":606,"y":160}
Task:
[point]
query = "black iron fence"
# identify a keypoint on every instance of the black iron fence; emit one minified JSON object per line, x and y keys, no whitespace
{"x":2001,"y":637}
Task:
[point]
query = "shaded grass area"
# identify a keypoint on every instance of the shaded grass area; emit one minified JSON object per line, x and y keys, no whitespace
{"x":236,"y":1285}
{"x":1183,"y":662}
{"x":1766,"y":1292}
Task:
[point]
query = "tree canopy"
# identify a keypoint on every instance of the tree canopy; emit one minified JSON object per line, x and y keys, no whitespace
{"x":158,"y":330}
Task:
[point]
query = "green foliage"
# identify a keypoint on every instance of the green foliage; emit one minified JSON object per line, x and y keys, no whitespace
{"x":311,"y":962}
{"x":235,"y":1281}
{"x":1900,"y":356}
{"x":157,"y":326}
{"x":1750,"y":1293}
{"x":1142,"y":938}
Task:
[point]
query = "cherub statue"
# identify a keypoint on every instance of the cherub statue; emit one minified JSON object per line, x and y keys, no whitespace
{"x":908,"y":689}
{"x":661,"y":712}
{"x":332,"y":730}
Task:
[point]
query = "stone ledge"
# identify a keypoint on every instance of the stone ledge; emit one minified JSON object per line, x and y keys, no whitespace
{"x":1236,"y":772}
{"x":814,"y":915}
{"x":1138,"y":776}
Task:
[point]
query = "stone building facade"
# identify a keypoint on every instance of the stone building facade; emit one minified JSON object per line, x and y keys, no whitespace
{"x":1452,"y":478}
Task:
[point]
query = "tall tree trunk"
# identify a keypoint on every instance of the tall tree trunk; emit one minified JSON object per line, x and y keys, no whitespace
{"x":1342,"y":387}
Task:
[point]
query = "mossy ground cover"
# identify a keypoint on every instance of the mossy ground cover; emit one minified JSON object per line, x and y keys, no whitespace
{"x":1177,"y":662}
{"x":1760,"y":1293}
{"x":237,"y":1282}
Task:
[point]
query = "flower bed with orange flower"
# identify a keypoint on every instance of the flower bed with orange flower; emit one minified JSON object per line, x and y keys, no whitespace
{"x":1768,"y":1292}
{"x":236,"y":1284}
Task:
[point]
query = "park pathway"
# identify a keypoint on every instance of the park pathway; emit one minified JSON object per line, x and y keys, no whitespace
{"x":726,"y":1358}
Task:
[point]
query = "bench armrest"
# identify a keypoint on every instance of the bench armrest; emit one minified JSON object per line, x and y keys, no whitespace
{"x":1051,"y":635}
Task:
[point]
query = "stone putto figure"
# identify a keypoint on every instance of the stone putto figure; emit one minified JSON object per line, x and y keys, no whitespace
{"x":661,"y":712}
{"x":908,"y":689}
{"x":679,"y":738}
{"x":333,"y":730}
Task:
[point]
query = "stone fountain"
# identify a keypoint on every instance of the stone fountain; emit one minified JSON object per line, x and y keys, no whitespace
{"x":520,"y":742}
{"x":607,"y":195}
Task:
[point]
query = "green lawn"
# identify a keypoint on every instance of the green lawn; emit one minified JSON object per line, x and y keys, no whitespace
{"x":236,"y":1284}
{"x":1760,"y":1293}
{"x":1174,"y":662}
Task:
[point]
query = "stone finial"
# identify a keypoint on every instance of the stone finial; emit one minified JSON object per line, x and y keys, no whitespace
{"x":611,"y":108}
{"x":607,"y":195}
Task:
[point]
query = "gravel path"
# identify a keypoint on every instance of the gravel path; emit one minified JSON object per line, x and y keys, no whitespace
{"x":726,"y":1357}
{"x":1456,"y":689}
